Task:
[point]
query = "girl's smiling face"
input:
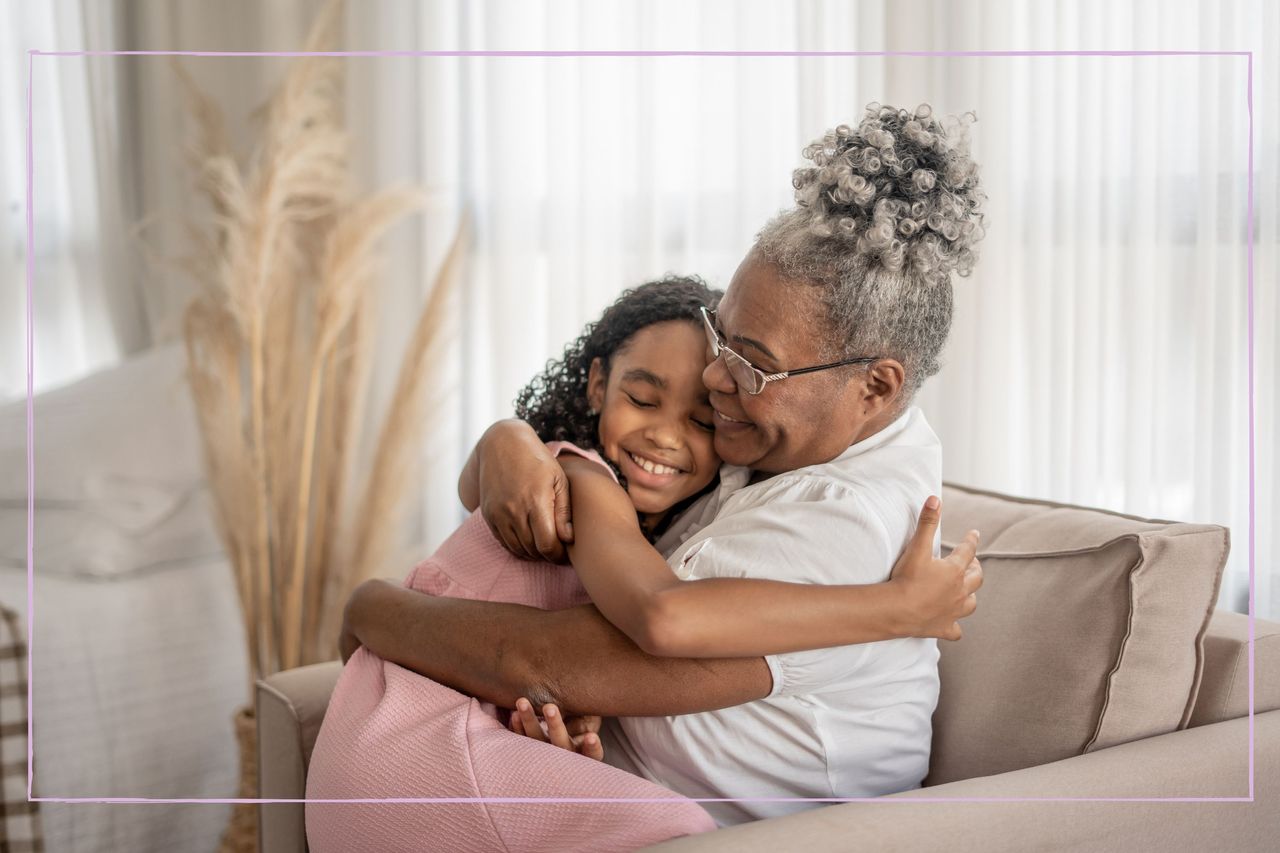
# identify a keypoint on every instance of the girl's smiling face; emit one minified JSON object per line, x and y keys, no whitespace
{"x":655,"y":416}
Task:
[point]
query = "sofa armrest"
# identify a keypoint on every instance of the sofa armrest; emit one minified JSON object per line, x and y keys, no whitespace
{"x":290,"y":708}
{"x":1224,"y":687}
{"x":1210,"y":761}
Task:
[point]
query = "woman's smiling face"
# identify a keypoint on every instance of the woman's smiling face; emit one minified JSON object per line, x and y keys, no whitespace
{"x":798,"y":421}
{"x":655,"y":417}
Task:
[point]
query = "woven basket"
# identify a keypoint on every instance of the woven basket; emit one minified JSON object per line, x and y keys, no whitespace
{"x":241,"y":835}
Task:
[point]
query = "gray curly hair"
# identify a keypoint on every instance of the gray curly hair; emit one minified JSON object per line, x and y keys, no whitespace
{"x":883,"y":217}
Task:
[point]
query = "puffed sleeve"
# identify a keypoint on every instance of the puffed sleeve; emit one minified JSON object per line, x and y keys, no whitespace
{"x":558,"y":448}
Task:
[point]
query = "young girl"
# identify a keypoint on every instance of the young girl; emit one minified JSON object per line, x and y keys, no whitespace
{"x":629,"y":389}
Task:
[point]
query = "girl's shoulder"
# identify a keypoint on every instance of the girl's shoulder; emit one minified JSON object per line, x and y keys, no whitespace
{"x":558,"y":448}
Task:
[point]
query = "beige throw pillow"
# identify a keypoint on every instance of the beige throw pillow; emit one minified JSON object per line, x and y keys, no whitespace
{"x":1088,"y":632}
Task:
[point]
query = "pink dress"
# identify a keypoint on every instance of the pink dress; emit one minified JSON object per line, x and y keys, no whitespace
{"x":391,"y":733}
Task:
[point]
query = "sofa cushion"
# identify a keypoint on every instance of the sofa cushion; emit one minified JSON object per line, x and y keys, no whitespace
{"x":1088,"y":633}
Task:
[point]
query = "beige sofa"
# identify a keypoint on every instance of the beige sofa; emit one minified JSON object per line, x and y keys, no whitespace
{"x":1095,"y":669}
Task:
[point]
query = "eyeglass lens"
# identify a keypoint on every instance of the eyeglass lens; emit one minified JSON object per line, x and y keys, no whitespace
{"x":743,"y":372}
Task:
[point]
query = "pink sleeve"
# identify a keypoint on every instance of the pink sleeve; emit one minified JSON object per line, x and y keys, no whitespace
{"x":559,"y":447}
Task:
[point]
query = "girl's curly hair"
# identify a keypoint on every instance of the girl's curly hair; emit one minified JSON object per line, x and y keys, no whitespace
{"x":555,"y":402}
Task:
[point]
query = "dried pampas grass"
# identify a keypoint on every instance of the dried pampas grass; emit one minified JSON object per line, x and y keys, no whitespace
{"x":278,"y":343}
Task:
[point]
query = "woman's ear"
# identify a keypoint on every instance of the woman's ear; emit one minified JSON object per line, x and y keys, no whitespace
{"x":883,"y":385}
{"x":596,"y":379}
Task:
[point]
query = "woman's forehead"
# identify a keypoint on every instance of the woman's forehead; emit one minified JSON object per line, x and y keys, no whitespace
{"x":764,"y":312}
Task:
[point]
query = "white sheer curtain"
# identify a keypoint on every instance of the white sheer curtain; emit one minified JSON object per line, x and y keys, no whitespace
{"x":1099,"y":353}
{"x":109,"y":170}
{"x":86,"y":309}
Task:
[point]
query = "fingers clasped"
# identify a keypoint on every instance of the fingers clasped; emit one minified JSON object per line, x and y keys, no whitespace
{"x":577,"y":734}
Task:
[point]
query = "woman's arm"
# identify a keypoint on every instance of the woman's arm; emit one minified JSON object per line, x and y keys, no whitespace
{"x":520,"y":490}
{"x":469,"y":480}
{"x":635,"y":589}
{"x":573,"y":658}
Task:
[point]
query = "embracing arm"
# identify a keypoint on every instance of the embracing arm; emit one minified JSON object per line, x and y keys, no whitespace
{"x":520,"y":489}
{"x":573,"y":658}
{"x":469,"y":481}
{"x":636,"y":590}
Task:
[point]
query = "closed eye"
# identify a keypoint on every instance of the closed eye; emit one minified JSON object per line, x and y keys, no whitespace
{"x":638,"y":403}
{"x":706,"y":425}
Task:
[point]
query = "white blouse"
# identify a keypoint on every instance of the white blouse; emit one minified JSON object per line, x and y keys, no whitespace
{"x":851,"y":721}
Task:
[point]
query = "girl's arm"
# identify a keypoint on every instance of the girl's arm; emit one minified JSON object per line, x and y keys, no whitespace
{"x":634,"y":588}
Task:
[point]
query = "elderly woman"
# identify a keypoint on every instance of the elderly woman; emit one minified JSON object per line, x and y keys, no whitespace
{"x":828,"y":328}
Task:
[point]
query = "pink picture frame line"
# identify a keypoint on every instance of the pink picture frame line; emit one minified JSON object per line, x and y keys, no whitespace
{"x":32,"y":54}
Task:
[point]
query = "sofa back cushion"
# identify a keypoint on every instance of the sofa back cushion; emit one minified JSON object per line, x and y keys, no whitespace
{"x":1088,"y":632}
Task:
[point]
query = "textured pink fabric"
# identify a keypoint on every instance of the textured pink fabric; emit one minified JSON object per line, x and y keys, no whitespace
{"x":389,"y":732}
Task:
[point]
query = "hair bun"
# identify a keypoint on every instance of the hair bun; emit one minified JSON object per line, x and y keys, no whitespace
{"x":901,"y":186}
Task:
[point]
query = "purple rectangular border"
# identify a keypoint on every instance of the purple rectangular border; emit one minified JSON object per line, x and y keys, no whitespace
{"x":30,"y":264}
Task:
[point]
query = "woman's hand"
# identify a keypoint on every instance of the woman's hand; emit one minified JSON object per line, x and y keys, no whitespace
{"x":937,"y":592}
{"x":523,"y":492}
{"x":576,"y":734}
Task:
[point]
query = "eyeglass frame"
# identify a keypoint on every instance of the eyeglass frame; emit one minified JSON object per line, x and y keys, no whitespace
{"x":718,"y":345}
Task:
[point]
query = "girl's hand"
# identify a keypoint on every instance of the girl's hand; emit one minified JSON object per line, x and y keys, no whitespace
{"x":523,"y":493}
{"x":938,"y":592}
{"x":576,"y":734}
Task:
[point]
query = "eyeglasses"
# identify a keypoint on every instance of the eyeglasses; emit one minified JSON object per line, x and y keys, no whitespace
{"x":746,"y":374}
